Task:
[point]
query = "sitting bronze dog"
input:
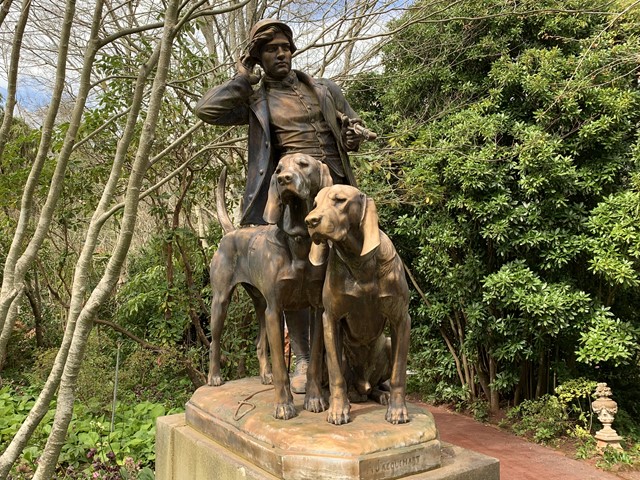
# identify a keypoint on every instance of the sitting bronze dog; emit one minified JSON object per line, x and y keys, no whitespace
{"x":271,"y":262}
{"x":364,"y":288}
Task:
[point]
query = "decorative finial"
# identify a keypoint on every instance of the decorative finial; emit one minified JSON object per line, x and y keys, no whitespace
{"x":606,"y":410}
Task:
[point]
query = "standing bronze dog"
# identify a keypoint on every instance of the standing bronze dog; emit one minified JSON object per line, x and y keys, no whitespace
{"x":364,"y":288}
{"x":272,"y":263}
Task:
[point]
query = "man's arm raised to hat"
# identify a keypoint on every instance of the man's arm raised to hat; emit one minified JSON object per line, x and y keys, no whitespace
{"x":228,"y":104}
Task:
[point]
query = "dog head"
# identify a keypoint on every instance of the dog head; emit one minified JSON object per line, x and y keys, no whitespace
{"x":296,"y":181}
{"x":344,"y":215}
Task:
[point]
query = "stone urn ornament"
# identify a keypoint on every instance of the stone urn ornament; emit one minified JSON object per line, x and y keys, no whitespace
{"x":606,"y":410}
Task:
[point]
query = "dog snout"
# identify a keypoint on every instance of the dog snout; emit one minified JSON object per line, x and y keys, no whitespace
{"x":285,"y":178}
{"x":313,"y":221}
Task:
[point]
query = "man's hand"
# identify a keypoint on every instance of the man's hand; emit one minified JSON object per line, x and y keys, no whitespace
{"x":351,"y":138}
{"x":245,"y":67}
{"x":354,"y":133}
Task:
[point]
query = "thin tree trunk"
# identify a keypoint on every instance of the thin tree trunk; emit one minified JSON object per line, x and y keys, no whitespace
{"x":100,"y":216}
{"x":454,"y":354}
{"x":201,"y":231}
{"x":521,"y":388}
{"x":66,"y":395}
{"x":494,"y":399}
{"x":17,"y":263}
{"x":483,"y":377}
{"x":472,"y":382}
{"x":10,"y":101}
{"x":10,"y":291}
{"x":195,"y":297}
{"x":4,"y":10}
{"x":35,"y":301}
{"x":542,"y":374}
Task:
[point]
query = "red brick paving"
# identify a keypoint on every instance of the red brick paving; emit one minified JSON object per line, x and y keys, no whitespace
{"x":519,"y":459}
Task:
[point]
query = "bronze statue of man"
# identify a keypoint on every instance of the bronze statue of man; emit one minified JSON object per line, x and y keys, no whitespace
{"x":288,"y":112}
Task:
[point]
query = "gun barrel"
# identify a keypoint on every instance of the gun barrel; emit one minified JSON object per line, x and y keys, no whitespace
{"x":365,"y":132}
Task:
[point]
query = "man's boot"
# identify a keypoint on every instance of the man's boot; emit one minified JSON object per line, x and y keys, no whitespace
{"x":298,"y":325}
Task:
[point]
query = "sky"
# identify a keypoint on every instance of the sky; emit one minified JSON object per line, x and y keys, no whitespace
{"x":29,"y":98}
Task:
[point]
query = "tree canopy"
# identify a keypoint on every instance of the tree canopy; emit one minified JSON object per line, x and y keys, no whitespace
{"x":513,"y":164}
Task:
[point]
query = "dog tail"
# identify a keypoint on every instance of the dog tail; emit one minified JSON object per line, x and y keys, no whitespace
{"x":221,"y":209}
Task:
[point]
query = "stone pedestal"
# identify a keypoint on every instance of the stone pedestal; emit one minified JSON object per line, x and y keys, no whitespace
{"x":229,"y":433}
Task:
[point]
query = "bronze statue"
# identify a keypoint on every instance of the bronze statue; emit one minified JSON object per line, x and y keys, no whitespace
{"x":365,"y":287}
{"x":271,"y":262}
{"x":288,"y":112}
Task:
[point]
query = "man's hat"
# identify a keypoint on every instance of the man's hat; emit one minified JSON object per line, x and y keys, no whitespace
{"x":255,"y":40}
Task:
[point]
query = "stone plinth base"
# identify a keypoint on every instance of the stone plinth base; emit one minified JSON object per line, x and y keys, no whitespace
{"x":222,"y":439}
{"x":608,"y":437}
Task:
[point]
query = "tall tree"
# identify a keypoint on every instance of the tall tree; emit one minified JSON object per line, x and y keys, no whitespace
{"x":512,"y":128}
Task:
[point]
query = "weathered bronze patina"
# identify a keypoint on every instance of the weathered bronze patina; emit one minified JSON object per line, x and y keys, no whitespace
{"x":364,"y":288}
{"x":271,"y":262}
{"x":288,"y":112}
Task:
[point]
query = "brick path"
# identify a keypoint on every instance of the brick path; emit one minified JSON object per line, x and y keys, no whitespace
{"x":519,"y":459}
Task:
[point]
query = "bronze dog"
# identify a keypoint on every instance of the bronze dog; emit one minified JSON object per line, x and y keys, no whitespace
{"x":271,"y":262}
{"x":364,"y":288}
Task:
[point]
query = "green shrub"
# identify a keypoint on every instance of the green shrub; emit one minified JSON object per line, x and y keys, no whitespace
{"x":575,"y":397}
{"x":543,"y":419}
{"x":615,"y":458}
{"x":91,"y":447}
{"x":154,"y":377}
{"x":480,"y":410}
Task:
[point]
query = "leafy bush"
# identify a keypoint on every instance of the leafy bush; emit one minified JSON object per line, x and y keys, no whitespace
{"x":480,"y":410}
{"x":154,"y":377}
{"x":544,"y":419}
{"x":617,"y":459}
{"x":513,"y":159}
{"x":144,"y":375}
{"x":575,"y":397}
{"x":91,"y":448}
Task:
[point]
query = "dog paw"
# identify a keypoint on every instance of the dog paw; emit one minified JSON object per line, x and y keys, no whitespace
{"x":266,"y":378}
{"x":339,"y":415}
{"x":315,"y":404}
{"x":215,"y":381}
{"x":285,"y":411}
{"x":380,"y":396}
{"x":397,"y":414}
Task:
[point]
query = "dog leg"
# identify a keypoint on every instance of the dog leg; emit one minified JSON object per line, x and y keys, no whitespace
{"x":219,"y":305}
{"x":380,"y":396}
{"x":313,"y":399}
{"x":262,"y":350}
{"x":262,"y":344}
{"x":284,"y":408}
{"x":397,"y":409}
{"x":339,"y":406}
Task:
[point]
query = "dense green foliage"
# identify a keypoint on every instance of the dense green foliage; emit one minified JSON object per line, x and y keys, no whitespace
{"x":513,"y":177}
{"x":507,"y":174}
{"x":93,"y":449}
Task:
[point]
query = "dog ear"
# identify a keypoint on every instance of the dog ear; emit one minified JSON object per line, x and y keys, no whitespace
{"x":369,"y":226}
{"x":318,"y":254}
{"x":325,"y":176}
{"x":273,"y":208}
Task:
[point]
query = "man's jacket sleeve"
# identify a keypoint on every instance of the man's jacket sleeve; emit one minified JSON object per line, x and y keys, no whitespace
{"x":226,"y":104}
{"x":340,"y":102}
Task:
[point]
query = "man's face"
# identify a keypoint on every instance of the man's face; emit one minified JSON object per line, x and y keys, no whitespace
{"x":275,"y":57}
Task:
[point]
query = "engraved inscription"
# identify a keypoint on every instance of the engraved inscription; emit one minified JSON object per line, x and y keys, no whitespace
{"x":392,"y":465}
